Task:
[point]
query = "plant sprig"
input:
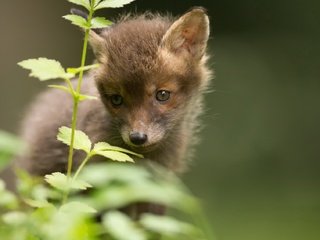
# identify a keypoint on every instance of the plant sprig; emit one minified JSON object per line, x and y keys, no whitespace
{"x":46,"y":69}
{"x":49,"y":221}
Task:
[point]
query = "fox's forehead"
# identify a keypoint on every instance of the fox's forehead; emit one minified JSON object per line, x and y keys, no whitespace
{"x":134,"y":62}
{"x":132,"y":45}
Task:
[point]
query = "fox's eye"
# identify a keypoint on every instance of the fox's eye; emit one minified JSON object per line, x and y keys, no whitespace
{"x":162,"y":95}
{"x":116,"y":100}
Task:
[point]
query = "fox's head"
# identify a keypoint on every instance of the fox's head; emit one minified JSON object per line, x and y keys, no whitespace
{"x":152,"y":70}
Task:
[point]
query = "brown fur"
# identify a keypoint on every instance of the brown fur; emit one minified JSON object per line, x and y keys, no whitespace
{"x":138,"y":56}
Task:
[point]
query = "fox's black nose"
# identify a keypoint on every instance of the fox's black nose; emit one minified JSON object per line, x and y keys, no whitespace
{"x":138,"y":138}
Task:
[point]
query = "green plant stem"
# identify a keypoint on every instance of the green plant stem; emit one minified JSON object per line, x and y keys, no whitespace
{"x":76,"y":95}
{"x":81,"y":166}
{"x":73,"y":127}
{"x":66,"y":194}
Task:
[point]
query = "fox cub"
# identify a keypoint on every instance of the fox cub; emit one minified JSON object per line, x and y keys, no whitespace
{"x":150,"y":82}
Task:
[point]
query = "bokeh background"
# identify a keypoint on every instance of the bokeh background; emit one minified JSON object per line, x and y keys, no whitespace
{"x":257,"y":170}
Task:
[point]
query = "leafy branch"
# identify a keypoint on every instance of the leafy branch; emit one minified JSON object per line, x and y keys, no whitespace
{"x":117,"y":185}
{"x":46,"y":69}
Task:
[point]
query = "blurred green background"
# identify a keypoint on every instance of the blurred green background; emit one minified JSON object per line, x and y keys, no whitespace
{"x":257,"y":169}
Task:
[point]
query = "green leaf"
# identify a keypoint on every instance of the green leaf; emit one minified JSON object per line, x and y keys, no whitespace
{"x":121,"y":227}
{"x":115,"y":156}
{"x":7,"y":199}
{"x":81,"y":140}
{"x":100,"y":146}
{"x":58,"y":180}
{"x":168,"y":226}
{"x":77,"y":20}
{"x":100,"y":22}
{"x":79,"y":184}
{"x":112,"y":4}
{"x":44,"y":69}
{"x":83,"y":3}
{"x":37,"y":203}
{"x":61,"y":182}
{"x":77,"y":207}
{"x":101,"y":174}
{"x":103,"y":146}
{"x":9,"y":146}
{"x":14,"y":218}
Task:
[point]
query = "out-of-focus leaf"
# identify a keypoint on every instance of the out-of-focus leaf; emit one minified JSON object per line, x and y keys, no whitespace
{"x":37,"y":203}
{"x":77,"y":207}
{"x":112,"y":4}
{"x":122,"y":227}
{"x":9,"y":146}
{"x":168,"y":226}
{"x":101,"y":174}
{"x":7,"y":199}
{"x":9,"y":143}
{"x":120,"y":195}
{"x":14,"y":218}
{"x":81,"y":140}
{"x":45,"y":69}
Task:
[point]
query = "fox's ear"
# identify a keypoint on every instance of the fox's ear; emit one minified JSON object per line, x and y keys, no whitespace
{"x":97,"y":43}
{"x":95,"y":36}
{"x":188,"y":35}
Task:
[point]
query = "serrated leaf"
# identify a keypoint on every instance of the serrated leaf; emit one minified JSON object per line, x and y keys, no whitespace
{"x":83,"y":3}
{"x":61,"y":182}
{"x":100,"y":22}
{"x":44,"y":69}
{"x":77,"y":20}
{"x":77,"y":207}
{"x":121,"y":227}
{"x":112,"y":4}
{"x":81,"y":140}
{"x":115,"y":156}
{"x":83,"y":97}
{"x":119,"y":149}
{"x":103,"y":146}
{"x":57,"y":180}
{"x":100,"y":146}
{"x":61,"y":87}
{"x":168,"y":226}
{"x":80,"y":184}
